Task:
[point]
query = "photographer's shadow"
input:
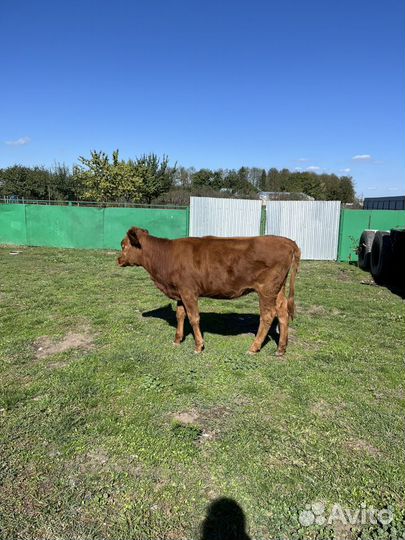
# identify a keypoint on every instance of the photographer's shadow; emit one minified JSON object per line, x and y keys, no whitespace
{"x":225,"y":520}
{"x":225,"y":324}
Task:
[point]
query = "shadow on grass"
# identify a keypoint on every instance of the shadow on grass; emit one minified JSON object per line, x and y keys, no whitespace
{"x":224,"y":324}
{"x":225,"y":520}
{"x":396,"y":288}
{"x":396,"y":284}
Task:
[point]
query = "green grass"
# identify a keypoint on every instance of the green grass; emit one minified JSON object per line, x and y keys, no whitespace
{"x":130,"y":437}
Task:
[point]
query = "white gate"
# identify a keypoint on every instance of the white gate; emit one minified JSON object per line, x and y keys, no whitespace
{"x":224,"y":217}
{"x":314,"y":225}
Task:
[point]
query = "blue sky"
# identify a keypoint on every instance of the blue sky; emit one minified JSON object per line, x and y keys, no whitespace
{"x":314,"y":84}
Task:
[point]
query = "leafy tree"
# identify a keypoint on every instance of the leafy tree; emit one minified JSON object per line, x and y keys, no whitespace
{"x":217,"y":180}
{"x":263,"y":181}
{"x":332,"y":187}
{"x":148,"y":179}
{"x":157,"y":177}
{"x":347,"y":194}
{"x":202,"y":178}
{"x":105,"y":181}
{"x":312,"y":185}
{"x":284,"y":180}
{"x":182,"y":177}
{"x":206,"y":178}
{"x":237,"y":183}
{"x":273,"y":180}
{"x":254,"y":176}
{"x":27,"y":182}
{"x":230,"y":181}
{"x":64,"y":184}
{"x":14,"y":181}
{"x":243,"y":186}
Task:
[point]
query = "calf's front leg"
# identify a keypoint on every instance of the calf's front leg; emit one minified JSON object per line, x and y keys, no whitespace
{"x":193,"y":314}
{"x":180,"y":316}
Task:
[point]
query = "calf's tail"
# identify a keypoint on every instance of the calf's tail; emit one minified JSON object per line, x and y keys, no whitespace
{"x":293,"y":269}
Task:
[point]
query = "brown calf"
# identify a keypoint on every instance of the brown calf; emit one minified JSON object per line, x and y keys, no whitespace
{"x":214,"y":267}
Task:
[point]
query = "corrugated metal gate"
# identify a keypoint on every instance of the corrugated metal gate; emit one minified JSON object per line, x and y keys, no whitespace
{"x":314,"y":225}
{"x":224,"y":217}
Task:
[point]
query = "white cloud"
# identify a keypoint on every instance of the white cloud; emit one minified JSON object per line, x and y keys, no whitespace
{"x":313,"y":168}
{"x":302,"y":160}
{"x":298,"y":169}
{"x":362,"y":157}
{"x":371,"y":188}
{"x":393,"y":188}
{"x":345,"y":170}
{"x":19,"y":142}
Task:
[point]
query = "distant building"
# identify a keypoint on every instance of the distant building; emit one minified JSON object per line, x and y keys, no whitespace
{"x":384,"y":203}
{"x":284,"y":196}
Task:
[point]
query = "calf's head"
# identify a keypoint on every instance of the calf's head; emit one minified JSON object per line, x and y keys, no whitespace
{"x":131,"y":254}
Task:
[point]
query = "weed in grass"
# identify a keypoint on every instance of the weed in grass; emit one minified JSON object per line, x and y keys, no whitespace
{"x":186,"y":432}
{"x":154,"y":383}
{"x":240,"y":364}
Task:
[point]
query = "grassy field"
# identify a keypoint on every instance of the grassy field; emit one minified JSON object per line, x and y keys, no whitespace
{"x":108,"y":431}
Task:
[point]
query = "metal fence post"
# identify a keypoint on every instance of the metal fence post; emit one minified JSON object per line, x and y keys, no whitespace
{"x":188,"y":221}
{"x":262,"y":231}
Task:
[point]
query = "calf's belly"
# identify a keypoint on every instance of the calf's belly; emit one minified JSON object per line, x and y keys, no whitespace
{"x":224,"y":291}
{"x":227,"y":294}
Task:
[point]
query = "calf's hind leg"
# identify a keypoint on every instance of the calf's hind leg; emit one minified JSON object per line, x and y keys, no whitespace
{"x":267,"y":314}
{"x":282,"y":315}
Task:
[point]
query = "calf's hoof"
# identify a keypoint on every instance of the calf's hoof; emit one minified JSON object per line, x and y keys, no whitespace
{"x":280,"y":353}
{"x":199,"y":350}
{"x":176,"y":343}
{"x":252,"y":352}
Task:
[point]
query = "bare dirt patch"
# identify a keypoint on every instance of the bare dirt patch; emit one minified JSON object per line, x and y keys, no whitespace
{"x":46,"y":346}
{"x":188,"y":417}
{"x":276,"y":462}
{"x":324,"y":409}
{"x":206,"y":419}
{"x":344,"y":275}
{"x":344,"y":531}
{"x":99,"y":460}
{"x":360,"y":445}
{"x":316,"y":310}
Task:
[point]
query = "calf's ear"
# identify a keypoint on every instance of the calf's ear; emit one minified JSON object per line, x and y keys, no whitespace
{"x":133,"y":237}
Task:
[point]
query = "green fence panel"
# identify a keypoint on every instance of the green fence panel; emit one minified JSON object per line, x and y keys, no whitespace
{"x":354,"y":222}
{"x":12,"y":224}
{"x":387,"y":219}
{"x":78,"y":227}
{"x":166,"y":223}
{"x":64,"y":226}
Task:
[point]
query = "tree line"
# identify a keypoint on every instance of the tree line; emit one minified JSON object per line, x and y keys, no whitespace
{"x":150,"y":179}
